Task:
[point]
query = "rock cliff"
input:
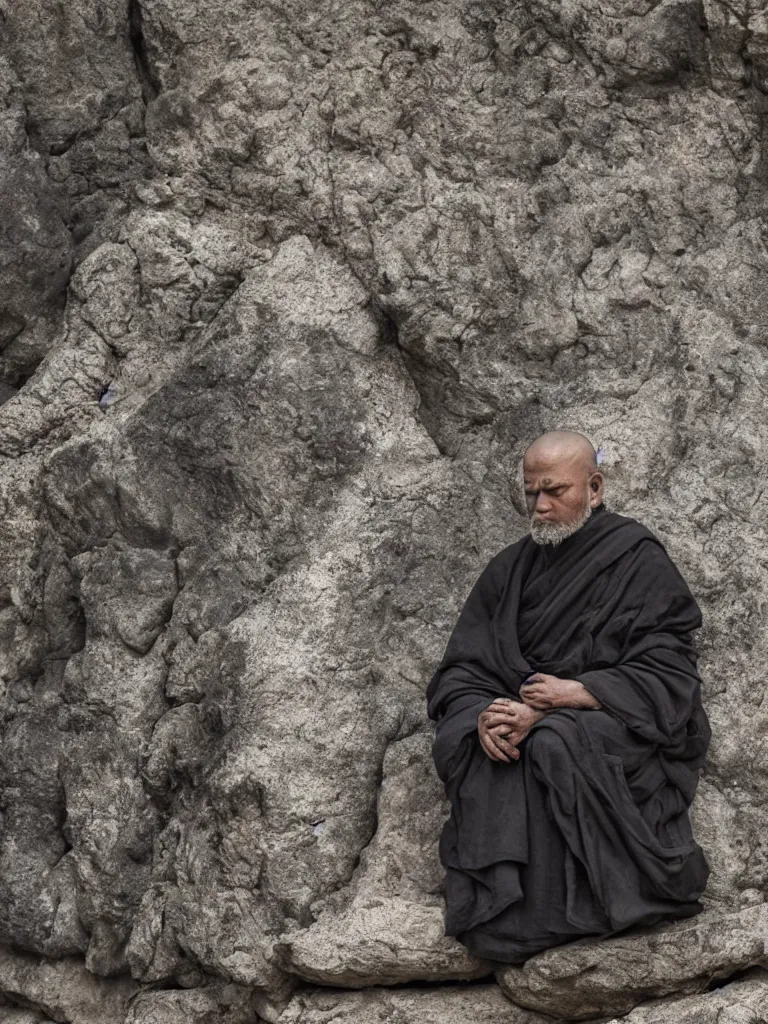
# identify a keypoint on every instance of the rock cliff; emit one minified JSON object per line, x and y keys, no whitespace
{"x":285,"y":290}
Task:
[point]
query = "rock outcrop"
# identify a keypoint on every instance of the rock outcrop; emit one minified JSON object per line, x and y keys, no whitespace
{"x":589,"y":979}
{"x":285,"y":290}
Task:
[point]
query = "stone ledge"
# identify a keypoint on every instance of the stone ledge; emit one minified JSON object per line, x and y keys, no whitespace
{"x":741,"y":1002}
{"x":595,"y":978}
{"x":471,"y":1004}
{"x":384,"y":941}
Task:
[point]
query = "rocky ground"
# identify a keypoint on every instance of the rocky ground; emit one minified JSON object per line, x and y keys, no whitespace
{"x":285,"y":290}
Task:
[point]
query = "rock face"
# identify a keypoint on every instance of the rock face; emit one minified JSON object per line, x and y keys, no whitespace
{"x":285,"y":290}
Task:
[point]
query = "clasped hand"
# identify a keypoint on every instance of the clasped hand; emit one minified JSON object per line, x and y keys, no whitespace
{"x":504,"y":724}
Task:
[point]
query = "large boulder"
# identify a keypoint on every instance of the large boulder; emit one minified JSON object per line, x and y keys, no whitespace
{"x":589,"y":979}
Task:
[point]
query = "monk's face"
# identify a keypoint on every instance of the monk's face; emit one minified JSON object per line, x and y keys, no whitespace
{"x":560,"y":492}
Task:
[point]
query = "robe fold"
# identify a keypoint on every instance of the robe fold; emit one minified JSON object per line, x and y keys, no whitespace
{"x":588,"y":833}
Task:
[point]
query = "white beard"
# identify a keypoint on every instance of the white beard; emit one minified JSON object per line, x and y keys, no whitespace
{"x":555,"y":533}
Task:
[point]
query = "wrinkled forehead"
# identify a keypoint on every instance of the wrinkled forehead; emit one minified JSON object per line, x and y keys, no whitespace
{"x":554,"y":465}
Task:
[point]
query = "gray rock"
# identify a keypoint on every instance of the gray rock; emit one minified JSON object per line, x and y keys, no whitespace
{"x":390,"y":930}
{"x":383,"y":942}
{"x":61,"y":990}
{"x":741,"y":1002}
{"x":17,"y":1015}
{"x":481,"y":1004}
{"x":337,"y":271}
{"x":588,"y":979}
{"x":223,"y":1003}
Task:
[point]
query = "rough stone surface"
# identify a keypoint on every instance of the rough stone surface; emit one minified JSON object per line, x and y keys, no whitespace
{"x":590,"y":979}
{"x":386,"y":932}
{"x":61,"y":990}
{"x":480,"y":1004}
{"x":220,"y":1003}
{"x":284,"y":292}
{"x":741,"y":1002}
{"x":17,"y":1015}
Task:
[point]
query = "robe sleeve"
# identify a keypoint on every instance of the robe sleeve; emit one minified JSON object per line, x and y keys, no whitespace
{"x":469,"y":676}
{"x":467,"y":668}
{"x":650,"y":681}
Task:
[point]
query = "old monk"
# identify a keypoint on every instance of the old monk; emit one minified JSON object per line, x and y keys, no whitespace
{"x":570,"y":730}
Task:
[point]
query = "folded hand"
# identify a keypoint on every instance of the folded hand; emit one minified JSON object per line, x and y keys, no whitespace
{"x":546,"y":692}
{"x":503,"y":726}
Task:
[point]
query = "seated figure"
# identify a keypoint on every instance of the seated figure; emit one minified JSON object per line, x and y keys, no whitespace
{"x":570,"y":730}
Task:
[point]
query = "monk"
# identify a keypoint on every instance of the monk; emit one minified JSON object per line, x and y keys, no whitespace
{"x":570,"y":730}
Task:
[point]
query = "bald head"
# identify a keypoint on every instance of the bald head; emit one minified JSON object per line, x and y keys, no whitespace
{"x":562,"y":484}
{"x":562,"y":446}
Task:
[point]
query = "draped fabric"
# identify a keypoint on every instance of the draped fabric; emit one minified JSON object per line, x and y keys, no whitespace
{"x":588,"y":833}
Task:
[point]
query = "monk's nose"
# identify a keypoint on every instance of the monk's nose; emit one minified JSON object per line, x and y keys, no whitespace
{"x":542,"y":502}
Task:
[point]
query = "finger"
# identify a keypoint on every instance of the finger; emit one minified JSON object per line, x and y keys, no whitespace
{"x":497,"y":755}
{"x":500,"y":732}
{"x":490,"y":751}
{"x":487,"y":745}
{"x":503,"y":738}
{"x":512,"y":720}
{"x":500,"y":719}
{"x":501,"y":713}
{"x":497,"y":747}
{"x":508,"y":742}
{"x":504,"y":709}
{"x":501,"y":708}
{"x":535,"y":691}
{"x":510,"y":749}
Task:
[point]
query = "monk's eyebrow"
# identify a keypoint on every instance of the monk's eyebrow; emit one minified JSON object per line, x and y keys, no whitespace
{"x":547,"y":484}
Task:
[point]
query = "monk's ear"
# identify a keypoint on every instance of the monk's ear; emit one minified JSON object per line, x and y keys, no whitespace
{"x":596,"y":489}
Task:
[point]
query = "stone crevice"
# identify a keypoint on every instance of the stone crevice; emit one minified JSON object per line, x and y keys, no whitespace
{"x":150,"y":85}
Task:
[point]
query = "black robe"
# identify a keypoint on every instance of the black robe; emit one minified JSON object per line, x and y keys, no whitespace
{"x":588,"y":833}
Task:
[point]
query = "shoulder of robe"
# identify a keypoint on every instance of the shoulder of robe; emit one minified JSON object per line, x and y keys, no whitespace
{"x":613,"y":521}
{"x":655,"y":554}
{"x":656,"y":567}
{"x":631,"y":535}
{"x":647,"y":542}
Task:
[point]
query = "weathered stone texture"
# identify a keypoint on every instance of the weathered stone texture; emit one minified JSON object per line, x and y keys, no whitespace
{"x":284,"y":291}
{"x":483,"y":1004}
{"x":61,"y":990}
{"x":741,"y":1002}
{"x":584,"y":980}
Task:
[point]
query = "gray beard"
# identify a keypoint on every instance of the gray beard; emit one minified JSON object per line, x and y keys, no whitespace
{"x":556,"y":533}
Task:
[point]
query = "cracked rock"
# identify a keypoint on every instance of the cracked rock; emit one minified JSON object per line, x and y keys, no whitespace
{"x":482,"y":1004}
{"x":741,"y":1002}
{"x":337,"y":268}
{"x":588,"y":979}
{"x":62,"y":990}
